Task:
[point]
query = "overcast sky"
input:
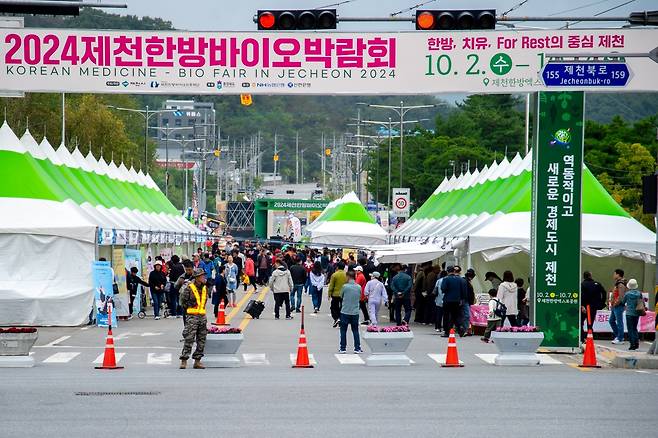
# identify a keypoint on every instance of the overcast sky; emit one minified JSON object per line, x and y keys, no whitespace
{"x":238,"y":14}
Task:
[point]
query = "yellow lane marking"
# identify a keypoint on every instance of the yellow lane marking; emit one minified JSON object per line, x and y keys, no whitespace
{"x":239,"y":305}
{"x":247,"y":319}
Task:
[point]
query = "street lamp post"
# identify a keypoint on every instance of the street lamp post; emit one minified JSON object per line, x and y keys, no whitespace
{"x":390,"y":142}
{"x":183,"y":144}
{"x":147,"y":114}
{"x":401,"y":111}
{"x":167,"y":130}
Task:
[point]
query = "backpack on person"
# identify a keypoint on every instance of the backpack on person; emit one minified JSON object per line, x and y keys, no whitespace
{"x":500,"y":310}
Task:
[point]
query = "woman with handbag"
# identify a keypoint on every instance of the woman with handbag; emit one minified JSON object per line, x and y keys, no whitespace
{"x":634,"y":303}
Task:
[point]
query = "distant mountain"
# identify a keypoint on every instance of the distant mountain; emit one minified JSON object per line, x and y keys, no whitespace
{"x":602,"y":107}
{"x":90,"y":18}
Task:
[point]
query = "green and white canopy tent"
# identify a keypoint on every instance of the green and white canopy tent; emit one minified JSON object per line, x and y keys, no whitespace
{"x":484,"y":218}
{"x":57,"y":207}
{"x":346,"y":222}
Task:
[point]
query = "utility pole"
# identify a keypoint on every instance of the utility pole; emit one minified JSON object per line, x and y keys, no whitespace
{"x":323,"y":157}
{"x":63,"y":118}
{"x":297,"y":160}
{"x":401,"y":111}
{"x":275,"y":158}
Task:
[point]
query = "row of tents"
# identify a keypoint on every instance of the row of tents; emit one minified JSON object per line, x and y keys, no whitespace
{"x":58,"y":209}
{"x":482,"y":219}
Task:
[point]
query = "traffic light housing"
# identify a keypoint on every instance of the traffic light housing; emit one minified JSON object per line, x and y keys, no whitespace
{"x":32,"y":8}
{"x":296,"y":19}
{"x":460,"y":19}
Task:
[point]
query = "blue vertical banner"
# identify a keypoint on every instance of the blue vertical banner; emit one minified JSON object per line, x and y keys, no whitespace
{"x":103,"y":277}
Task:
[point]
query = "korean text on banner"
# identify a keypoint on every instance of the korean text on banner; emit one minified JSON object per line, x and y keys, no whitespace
{"x":556,"y":219}
{"x":251,"y":63}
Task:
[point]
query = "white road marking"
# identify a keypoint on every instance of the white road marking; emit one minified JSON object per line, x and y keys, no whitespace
{"x":255,"y":359}
{"x":117,"y":356}
{"x":293,"y":359}
{"x":642,"y":372}
{"x":158,"y":358}
{"x":86,"y":327}
{"x":123,"y":335}
{"x":62,"y":357}
{"x":57,"y":341}
{"x":544,"y":359}
{"x":440,"y":358}
{"x":150,"y":334}
{"x":349,"y":359}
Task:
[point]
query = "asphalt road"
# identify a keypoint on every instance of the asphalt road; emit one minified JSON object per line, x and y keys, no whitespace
{"x":266,"y":397}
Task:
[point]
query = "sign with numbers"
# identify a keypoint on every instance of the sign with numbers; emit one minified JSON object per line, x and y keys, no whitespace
{"x":106,"y":61}
{"x":586,"y":74}
{"x":556,"y":219}
{"x":401,"y":202}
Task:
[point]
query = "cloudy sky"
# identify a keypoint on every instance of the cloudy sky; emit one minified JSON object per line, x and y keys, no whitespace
{"x":238,"y":14}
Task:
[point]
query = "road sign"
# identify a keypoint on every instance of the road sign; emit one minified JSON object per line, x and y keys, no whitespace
{"x":586,"y":74}
{"x":401,"y":200}
{"x":245,"y":99}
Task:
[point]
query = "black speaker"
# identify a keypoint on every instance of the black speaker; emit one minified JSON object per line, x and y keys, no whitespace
{"x":649,"y":194}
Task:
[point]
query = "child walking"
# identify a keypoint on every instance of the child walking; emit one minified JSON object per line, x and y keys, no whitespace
{"x":494,"y":316}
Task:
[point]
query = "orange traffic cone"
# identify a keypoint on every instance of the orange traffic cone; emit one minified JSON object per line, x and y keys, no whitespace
{"x":589,"y":358}
{"x":452,"y":357}
{"x":109,"y":360}
{"x":302,"y":350}
{"x":221,"y":315}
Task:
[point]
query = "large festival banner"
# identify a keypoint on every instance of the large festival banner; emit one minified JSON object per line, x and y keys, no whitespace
{"x":103,"y":277}
{"x":556,"y":221}
{"x":106,"y":61}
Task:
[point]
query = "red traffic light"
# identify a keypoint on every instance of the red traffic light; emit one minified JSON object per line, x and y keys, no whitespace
{"x":425,"y":20}
{"x":266,"y":20}
{"x":296,"y":19}
{"x":462,"y":19}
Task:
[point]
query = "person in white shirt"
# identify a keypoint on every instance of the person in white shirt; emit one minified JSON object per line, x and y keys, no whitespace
{"x":508,"y":295}
{"x":375,"y":293}
{"x":317,"y":280}
{"x":493,"y":320}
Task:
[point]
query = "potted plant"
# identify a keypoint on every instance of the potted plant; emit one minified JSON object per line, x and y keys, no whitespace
{"x":517,"y":345}
{"x":15,"y":345}
{"x":221,"y":345}
{"x":388,"y":345}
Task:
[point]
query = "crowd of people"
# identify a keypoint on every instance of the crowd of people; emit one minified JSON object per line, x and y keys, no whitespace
{"x":435,"y":294}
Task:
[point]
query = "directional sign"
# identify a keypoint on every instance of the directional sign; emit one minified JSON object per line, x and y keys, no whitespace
{"x":586,"y":74}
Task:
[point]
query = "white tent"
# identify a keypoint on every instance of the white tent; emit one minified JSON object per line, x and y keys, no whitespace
{"x":346,"y":222}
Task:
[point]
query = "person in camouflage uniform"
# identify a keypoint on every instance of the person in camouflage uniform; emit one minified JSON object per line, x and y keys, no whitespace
{"x":193,"y":298}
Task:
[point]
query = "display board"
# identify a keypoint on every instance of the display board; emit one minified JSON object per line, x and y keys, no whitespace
{"x":556,"y":218}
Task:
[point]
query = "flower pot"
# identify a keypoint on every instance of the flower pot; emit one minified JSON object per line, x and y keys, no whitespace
{"x":388,"y":349}
{"x":220,"y":350}
{"x":15,"y":349}
{"x":517,"y":348}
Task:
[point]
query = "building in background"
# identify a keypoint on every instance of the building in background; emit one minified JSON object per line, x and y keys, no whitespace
{"x":176,"y":129}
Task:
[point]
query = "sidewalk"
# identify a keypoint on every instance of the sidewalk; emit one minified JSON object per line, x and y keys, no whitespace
{"x":618,"y":356}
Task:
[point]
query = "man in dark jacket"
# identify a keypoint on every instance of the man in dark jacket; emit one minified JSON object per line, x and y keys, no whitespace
{"x":176,"y":269}
{"x":454,"y":290}
{"x":298,"y":274}
{"x":401,"y":288}
{"x":592,"y":294}
{"x":133,"y":283}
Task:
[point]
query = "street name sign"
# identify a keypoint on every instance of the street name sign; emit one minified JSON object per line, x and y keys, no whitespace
{"x":586,"y":74}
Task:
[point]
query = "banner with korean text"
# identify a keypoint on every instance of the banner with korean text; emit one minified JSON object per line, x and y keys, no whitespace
{"x":105,"y":61}
{"x":556,"y":221}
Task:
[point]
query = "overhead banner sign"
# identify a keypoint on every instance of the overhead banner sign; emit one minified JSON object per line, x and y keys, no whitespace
{"x":556,"y":219}
{"x":103,"y":61}
{"x":401,"y":202}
